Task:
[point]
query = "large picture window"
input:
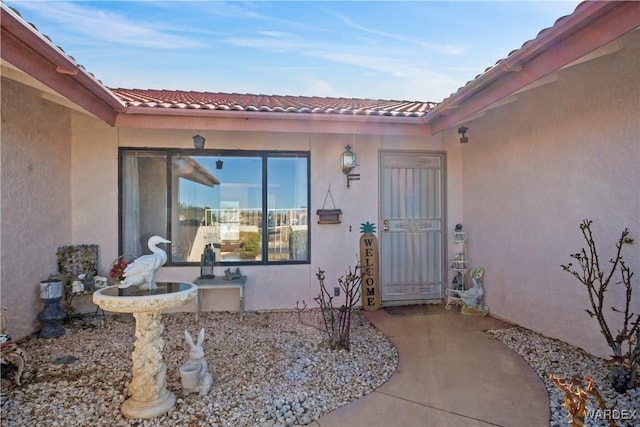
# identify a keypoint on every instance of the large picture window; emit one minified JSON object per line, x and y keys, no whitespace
{"x":250,"y":207}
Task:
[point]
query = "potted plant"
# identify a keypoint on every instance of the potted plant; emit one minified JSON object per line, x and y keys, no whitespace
{"x":116,"y":270}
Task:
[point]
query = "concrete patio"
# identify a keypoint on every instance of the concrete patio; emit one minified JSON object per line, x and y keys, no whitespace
{"x":450,"y":373}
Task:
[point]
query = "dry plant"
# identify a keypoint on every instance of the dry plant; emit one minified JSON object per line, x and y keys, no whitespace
{"x":575,"y":399}
{"x":337,"y":320}
{"x":626,"y":342}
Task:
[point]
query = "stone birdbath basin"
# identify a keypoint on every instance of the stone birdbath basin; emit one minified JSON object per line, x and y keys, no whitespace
{"x":149,"y":395}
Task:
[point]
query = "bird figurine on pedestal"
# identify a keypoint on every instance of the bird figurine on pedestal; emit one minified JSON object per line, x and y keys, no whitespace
{"x":141,"y":271}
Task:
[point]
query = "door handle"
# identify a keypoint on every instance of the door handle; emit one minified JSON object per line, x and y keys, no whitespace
{"x":385,"y":225}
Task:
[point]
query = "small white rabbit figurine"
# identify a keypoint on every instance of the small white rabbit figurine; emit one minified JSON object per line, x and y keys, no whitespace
{"x":194,"y":373}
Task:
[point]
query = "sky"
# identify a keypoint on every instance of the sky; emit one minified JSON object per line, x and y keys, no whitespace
{"x":392,"y":50}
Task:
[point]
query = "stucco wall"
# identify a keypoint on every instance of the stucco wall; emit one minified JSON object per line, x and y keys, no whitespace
{"x":36,"y":199}
{"x":533,"y":169}
{"x":333,"y":247}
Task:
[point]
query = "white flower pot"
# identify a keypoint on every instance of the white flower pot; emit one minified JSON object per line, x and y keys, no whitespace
{"x":190,"y":376}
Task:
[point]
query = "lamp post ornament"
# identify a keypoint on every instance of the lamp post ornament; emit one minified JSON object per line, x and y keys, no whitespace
{"x":370,"y":269}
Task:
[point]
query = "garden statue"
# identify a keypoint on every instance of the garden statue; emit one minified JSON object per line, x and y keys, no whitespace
{"x":89,"y":282}
{"x":474,"y":296}
{"x":471,"y":299}
{"x":229,"y":275}
{"x":194,"y":374}
{"x":100,"y":282}
{"x":10,"y":353}
{"x":141,"y":271}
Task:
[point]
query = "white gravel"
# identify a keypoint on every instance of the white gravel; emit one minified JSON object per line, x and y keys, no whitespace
{"x":549,"y":356}
{"x":269,"y":370}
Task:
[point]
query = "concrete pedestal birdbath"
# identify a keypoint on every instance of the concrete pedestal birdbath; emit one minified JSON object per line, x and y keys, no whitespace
{"x":149,"y":395}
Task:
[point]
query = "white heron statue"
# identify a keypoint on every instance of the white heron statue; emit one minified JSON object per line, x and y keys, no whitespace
{"x":141,"y":271}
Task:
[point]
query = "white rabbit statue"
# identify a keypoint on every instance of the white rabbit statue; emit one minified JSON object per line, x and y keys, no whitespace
{"x":194,"y":374}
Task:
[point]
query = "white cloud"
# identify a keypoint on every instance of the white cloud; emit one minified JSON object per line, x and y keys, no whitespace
{"x":318,"y":87}
{"x":98,"y":25}
{"x":439,"y":48}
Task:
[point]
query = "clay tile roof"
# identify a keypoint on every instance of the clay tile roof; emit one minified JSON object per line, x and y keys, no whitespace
{"x":151,"y":98}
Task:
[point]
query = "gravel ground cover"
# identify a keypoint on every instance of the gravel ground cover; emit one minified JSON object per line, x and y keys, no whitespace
{"x":549,"y":356}
{"x":269,"y":370}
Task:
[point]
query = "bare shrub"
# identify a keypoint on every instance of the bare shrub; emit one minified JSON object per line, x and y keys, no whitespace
{"x":625,"y":344}
{"x":337,"y":320}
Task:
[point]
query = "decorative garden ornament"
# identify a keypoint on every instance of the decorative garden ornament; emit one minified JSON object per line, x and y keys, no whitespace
{"x":474,"y":296}
{"x":51,"y":293}
{"x":141,"y":271}
{"x":194,"y":374}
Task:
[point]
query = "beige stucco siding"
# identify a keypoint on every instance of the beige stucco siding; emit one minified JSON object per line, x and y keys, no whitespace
{"x":36,"y":199}
{"x":533,"y":169}
{"x":59,"y":187}
{"x":334,"y":247}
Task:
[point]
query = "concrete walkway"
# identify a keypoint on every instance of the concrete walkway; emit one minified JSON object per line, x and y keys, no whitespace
{"x":450,"y":373}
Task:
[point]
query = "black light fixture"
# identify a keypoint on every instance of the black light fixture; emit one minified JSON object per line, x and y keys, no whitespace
{"x":198,"y":142}
{"x":219,"y":164}
{"x":462,"y":130}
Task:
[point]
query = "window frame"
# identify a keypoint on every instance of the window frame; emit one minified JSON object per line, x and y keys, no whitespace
{"x":265,"y":155}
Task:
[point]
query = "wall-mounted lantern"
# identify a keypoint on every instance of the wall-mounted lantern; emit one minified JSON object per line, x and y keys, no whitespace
{"x":198,"y":142}
{"x":347,"y":163}
{"x":462,"y":130}
{"x":219,"y":164}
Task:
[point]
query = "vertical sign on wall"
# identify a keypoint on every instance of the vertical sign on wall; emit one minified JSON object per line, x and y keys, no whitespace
{"x":369,"y":256}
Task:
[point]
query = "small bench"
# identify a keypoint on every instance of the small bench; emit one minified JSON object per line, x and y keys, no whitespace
{"x":219,"y":283}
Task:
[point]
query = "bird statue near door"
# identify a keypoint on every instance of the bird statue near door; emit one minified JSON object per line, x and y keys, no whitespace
{"x":141,"y":271}
{"x":474,"y":296}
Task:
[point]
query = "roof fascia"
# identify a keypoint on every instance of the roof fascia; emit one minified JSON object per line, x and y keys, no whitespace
{"x":150,"y":118}
{"x":591,"y":26}
{"x":238,"y":114}
{"x":28,"y":50}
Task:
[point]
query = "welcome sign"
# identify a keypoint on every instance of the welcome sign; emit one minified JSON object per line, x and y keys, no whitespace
{"x":369,"y":256}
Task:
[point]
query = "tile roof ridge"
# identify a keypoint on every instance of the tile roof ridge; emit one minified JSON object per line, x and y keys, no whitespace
{"x":271,"y":96}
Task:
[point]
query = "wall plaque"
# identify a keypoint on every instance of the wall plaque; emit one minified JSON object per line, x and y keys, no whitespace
{"x":329,"y":216}
{"x":370,"y":270}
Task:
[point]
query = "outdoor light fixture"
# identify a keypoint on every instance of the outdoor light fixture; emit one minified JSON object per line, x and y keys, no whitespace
{"x":198,"y":142}
{"x":348,"y":162}
{"x":463,"y":131}
{"x":219,"y":164}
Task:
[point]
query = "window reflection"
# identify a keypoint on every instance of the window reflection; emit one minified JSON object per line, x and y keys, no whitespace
{"x":217,"y":199}
{"x":218,"y":207}
{"x":287,"y":213}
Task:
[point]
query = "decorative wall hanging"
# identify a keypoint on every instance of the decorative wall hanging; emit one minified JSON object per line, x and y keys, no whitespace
{"x":329,"y":216}
{"x":370,"y":270}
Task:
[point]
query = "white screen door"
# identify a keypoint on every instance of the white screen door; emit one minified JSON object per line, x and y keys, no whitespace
{"x":411,"y":219}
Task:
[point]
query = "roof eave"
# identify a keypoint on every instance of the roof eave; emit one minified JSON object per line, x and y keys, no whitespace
{"x":591,"y":26}
{"x":25,"y":48}
{"x":178,"y":118}
{"x":239,"y":114}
